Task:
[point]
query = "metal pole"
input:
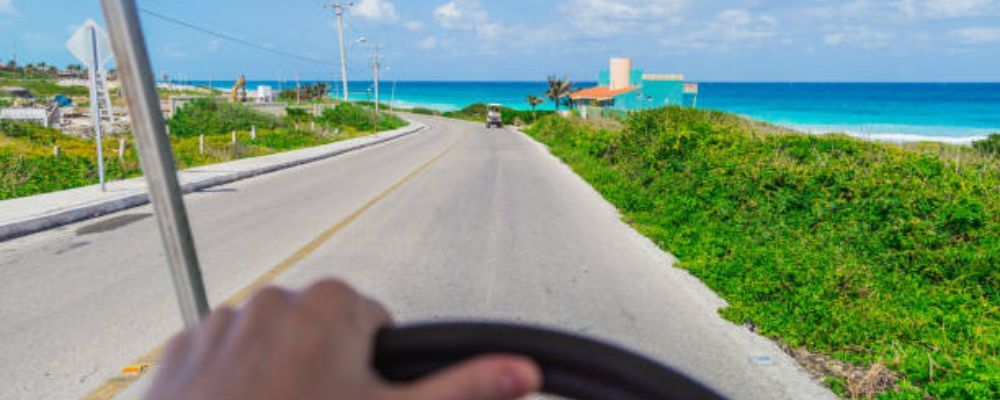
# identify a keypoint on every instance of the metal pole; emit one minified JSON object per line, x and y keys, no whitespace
{"x":95,"y":107}
{"x":392,"y":100}
{"x":107,"y":98}
{"x":339,"y":10}
{"x":156,"y":156}
{"x":376,"y":86}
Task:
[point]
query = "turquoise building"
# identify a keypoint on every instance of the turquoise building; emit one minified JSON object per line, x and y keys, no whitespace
{"x":623,"y":88}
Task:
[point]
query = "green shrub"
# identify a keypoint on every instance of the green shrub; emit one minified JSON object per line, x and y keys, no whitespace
{"x":424,"y":111}
{"x":989,"y":146}
{"x":477,"y":112}
{"x":211,"y":117}
{"x":28,"y":167}
{"x":298,"y":115}
{"x":867,"y":252}
{"x":352,"y":116}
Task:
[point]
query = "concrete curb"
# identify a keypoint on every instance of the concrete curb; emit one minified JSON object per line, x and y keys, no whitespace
{"x":79,"y":212}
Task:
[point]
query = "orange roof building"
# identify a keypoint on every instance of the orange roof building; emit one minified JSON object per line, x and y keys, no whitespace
{"x":627,"y":89}
{"x":600,"y":93}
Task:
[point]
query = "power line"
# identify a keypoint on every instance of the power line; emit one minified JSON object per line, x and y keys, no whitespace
{"x":197,"y":13}
{"x":233,"y":38}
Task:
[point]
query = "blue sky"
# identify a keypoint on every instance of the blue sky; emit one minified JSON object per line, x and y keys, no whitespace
{"x":733,"y":40}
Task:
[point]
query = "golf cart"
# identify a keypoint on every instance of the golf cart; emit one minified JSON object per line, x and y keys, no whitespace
{"x":493,"y":116}
{"x":573,"y":366}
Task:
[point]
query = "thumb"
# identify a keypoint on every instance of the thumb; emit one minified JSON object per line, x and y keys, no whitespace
{"x":495,"y":377}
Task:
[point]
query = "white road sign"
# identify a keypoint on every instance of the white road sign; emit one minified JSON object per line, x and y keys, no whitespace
{"x":82,"y":41}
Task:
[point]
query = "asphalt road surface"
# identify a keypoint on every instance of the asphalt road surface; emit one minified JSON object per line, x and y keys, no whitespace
{"x":456,"y":222}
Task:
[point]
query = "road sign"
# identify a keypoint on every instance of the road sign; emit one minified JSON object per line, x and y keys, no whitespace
{"x":90,"y":45}
{"x":81,"y":44}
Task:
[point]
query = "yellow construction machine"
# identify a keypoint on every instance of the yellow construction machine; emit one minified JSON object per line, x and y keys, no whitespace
{"x":239,"y":92}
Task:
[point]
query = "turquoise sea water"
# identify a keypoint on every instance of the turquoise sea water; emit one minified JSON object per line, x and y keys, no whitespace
{"x":950,"y":112}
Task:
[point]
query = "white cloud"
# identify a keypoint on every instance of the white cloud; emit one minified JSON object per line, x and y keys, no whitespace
{"x":375,"y":10}
{"x":174,"y":51}
{"x":469,"y":15}
{"x":957,"y":8}
{"x":213,"y":46}
{"x":864,"y":11}
{"x":860,"y":36}
{"x":730,"y":29}
{"x":976,"y":35}
{"x":606,"y":17}
{"x":7,"y":7}
{"x":428,"y":43}
{"x":414,"y":26}
{"x":461,"y":14}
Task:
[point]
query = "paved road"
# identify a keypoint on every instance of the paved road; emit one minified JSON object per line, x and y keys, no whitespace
{"x":454,"y":222}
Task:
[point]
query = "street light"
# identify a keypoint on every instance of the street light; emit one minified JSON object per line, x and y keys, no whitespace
{"x":375,"y":70}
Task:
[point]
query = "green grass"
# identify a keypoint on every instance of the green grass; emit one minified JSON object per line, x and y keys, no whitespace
{"x":353,"y":116}
{"x":869,"y":253}
{"x":207,"y":116}
{"x":477,"y":113}
{"x":28,"y":167}
{"x":45,"y":88}
{"x":424,"y":111}
{"x":989,"y":146}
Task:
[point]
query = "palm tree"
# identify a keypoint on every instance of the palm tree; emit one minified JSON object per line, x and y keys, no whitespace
{"x":558,"y":88}
{"x":534,"y":101}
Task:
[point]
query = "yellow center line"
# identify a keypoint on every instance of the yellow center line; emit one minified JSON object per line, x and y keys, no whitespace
{"x":131,"y":373}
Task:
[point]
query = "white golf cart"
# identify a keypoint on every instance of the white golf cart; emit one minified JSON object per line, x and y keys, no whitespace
{"x":493,"y":116}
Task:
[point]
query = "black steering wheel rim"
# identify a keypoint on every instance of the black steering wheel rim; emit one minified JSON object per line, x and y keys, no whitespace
{"x":573,"y":366}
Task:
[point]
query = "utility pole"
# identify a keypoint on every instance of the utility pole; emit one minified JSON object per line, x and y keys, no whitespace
{"x":298,"y":89}
{"x":392,"y":101}
{"x":376,"y":83}
{"x":338,"y":8}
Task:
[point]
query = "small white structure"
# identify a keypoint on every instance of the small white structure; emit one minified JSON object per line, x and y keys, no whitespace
{"x":265,"y":94}
{"x":49,"y":116}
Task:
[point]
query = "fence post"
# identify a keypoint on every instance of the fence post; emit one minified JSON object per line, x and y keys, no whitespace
{"x":121,"y":148}
{"x":234,"y":137}
{"x":314,"y":125}
{"x":253,"y":132}
{"x":55,"y":150}
{"x":201,"y":143}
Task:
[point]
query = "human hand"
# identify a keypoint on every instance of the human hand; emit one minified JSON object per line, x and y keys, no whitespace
{"x":315,"y":344}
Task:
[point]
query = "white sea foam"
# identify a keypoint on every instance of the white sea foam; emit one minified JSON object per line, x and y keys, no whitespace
{"x":434,"y":106}
{"x":896,"y":134}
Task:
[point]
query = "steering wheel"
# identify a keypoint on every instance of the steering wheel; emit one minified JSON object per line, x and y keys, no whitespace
{"x":572,"y":366}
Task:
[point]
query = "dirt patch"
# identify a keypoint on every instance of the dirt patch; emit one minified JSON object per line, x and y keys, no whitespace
{"x":861,"y":383}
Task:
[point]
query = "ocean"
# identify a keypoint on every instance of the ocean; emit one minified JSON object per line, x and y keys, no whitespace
{"x":946,"y":112}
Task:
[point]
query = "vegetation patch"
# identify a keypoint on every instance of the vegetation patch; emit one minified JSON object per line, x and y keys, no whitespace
{"x":28,"y":165}
{"x":424,"y":111}
{"x":207,"y":116}
{"x":353,"y":116}
{"x":477,"y":113}
{"x":990,"y":146}
{"x":870,"y":254}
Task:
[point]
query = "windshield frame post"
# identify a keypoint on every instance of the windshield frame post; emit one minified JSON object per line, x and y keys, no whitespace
{"x":156,"y":156}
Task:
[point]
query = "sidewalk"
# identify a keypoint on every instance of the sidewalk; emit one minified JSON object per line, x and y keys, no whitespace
{"x":27,"y":215}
